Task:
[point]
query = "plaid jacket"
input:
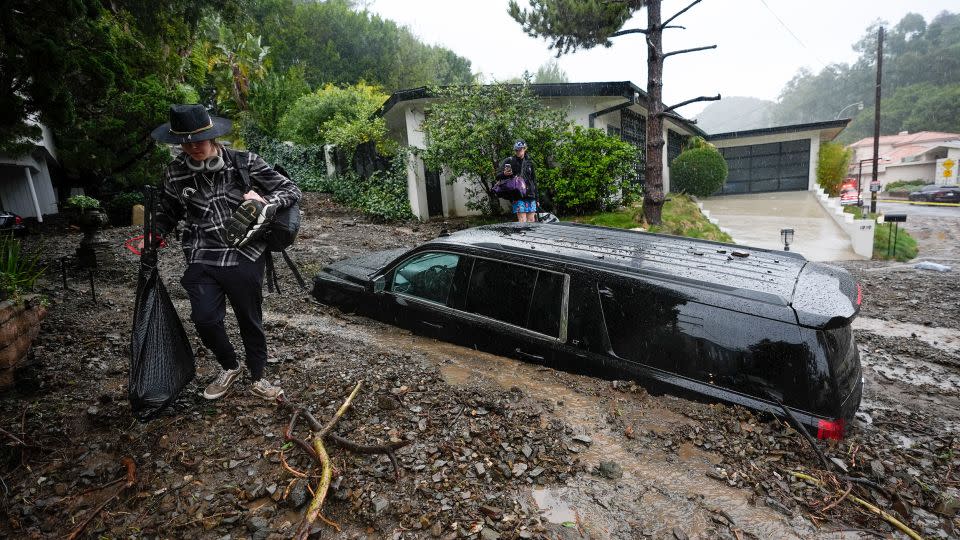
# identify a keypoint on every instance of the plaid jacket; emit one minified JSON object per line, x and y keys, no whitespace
{"x":207,"y":200}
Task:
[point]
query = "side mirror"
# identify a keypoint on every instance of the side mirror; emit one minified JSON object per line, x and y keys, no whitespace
{"x":379,"y":284}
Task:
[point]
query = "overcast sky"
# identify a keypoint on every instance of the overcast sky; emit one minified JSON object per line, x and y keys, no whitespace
{"x":756,"y":54}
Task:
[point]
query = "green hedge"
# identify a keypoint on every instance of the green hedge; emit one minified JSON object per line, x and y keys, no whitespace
{"x":383,"y":196}
{"x":698,"y":171}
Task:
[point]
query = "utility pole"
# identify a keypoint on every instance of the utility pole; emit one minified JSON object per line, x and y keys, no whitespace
{"x":876,"y":123}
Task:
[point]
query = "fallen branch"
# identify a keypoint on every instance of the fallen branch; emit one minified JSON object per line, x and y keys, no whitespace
{"x":317,"y":451}
{"x":886,"y":517}
{"x":131,"y":479}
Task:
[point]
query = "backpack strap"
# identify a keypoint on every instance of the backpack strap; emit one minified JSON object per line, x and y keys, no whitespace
{"x":293,"y":268}
{"x":273,"y":284}
{"x":244,"y":170}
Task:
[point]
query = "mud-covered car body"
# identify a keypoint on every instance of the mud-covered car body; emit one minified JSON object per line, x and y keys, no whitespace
{"x":723,"y":322}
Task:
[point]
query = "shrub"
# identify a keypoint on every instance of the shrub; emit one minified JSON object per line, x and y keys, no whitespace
{"x":18,"y":272}
{"x":305,"y":163}
{"x":339,"y":116}
{"x":82,"y":202}
{"x":593,"y":172}
{"x":119,"y":207}
{"x":905,"y":186}
{"x":698,"y":171}
{"x":383,"y":196}
{"x":832,"y":166}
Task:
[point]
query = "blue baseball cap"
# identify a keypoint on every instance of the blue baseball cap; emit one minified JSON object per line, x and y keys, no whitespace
{"x":518,"y":145}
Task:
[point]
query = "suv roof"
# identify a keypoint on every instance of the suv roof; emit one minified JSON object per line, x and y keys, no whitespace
{"x":758,"y":272}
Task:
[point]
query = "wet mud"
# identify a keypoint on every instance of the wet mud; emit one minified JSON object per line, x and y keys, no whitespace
{"x":501,"y":448}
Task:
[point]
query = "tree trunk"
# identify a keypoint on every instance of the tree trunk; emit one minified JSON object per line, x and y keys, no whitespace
{"x":653,"y":183}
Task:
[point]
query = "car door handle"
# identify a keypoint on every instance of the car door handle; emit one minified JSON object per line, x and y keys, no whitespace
{"x":528,"y":356}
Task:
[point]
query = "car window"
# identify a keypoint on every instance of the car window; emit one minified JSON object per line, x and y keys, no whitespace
{"x":518,"y":295}
{"x":546,"y":308}
{"x":428,"y":276}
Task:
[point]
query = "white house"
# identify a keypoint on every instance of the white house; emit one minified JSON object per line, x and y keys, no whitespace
{"x":616,"y":107}
{"x":26,"y":185}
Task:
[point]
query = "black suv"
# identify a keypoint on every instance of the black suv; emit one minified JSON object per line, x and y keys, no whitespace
{"x":750,"y":326}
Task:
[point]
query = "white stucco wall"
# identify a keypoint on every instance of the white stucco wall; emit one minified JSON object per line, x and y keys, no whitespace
{"x":907,"y":171}
{"x":403,"y":124}
{"x":860,"y":231}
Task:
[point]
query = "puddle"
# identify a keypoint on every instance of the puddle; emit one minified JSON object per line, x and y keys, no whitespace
{"x":552,"y":506}
{"x":945,"y":339}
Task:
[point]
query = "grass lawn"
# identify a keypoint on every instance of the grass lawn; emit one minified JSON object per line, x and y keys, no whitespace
{"x":681,"y":217}
{"x":906,"y":245}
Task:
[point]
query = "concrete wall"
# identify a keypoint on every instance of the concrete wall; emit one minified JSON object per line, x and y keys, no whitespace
{"x":813,"y":136}
{"x":860,"y":231}
{"x":894,"y":172}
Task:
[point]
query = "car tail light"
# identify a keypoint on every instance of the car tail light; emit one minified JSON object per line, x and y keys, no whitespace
{"x":18,"y":220}
{"x":859,"y":294}
{"x":830,"y":429}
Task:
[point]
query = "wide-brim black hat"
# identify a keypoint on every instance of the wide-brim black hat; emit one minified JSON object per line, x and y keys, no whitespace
{"x":191,"y":123}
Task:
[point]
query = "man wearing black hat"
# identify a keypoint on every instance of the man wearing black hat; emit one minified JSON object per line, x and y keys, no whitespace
{"x":221,"y":244}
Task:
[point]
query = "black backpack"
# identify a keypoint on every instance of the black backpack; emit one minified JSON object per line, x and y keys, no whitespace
{"x":282,"y":232}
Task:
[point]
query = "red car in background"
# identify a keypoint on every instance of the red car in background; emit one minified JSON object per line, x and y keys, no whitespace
{"x":10,"y":222}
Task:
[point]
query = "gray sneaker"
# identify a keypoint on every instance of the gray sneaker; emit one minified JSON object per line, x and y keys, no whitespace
{"x":221,"y":384}
{"x":267,"y":391}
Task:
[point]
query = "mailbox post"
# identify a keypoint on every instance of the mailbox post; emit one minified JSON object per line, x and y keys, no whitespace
{"x":896,"y":219}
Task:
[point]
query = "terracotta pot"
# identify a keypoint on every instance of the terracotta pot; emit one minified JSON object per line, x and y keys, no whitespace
{"x":19,"y":326}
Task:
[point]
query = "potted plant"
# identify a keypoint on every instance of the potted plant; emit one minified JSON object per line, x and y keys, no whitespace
{"x":20,"y":312}
{"x":91,"y":219}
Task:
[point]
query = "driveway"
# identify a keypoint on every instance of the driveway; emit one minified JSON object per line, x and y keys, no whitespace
{"x":756,"y":220}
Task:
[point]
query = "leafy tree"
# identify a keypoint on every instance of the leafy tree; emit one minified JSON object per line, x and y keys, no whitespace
{"x":549,"y":72}
{"x":272,"y":97}
{"x":335,"y":115}
{"x":471,"y":128}
{"x":832,"y":164}
{"x":336,"y":43}
{"x":235,"y":63}
{"x":43,"y":76}
{"x":699,"y":170}
{"x":593,"y":172}
{"x":572,"y":24}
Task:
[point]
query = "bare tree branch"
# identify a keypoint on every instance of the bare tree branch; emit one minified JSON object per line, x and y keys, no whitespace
{"x":630,"y":31}
{"x":679,"y":13}
{"x":641,"y":30}
{"x":689,"y":101}
{"x":695,"y":49}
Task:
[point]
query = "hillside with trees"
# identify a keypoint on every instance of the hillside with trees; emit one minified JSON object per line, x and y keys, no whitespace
{"x":735,"y":114}
{"x":101,"y":75}
{"x":920,"y":89}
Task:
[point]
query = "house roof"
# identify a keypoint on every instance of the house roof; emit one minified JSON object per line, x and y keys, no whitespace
{"x":909,"y":138}
{"x":829,"y":129}
{"x":624,"y":89}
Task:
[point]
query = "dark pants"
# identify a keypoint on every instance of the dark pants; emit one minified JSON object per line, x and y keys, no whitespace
{"x":208,"y":287}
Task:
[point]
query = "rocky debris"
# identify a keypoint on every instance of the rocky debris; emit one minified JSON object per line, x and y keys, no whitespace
{"x":213,"y":469}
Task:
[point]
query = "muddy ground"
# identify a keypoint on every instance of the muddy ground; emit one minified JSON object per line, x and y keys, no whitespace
{"x":500,"y":448}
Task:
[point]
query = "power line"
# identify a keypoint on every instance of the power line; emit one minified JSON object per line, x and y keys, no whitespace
{"x":787,"y":28}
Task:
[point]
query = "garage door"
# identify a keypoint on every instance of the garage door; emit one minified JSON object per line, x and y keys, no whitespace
{"x":756,"y":168}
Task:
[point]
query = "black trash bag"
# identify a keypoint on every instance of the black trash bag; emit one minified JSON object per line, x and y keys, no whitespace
{"x":161,"y":358}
